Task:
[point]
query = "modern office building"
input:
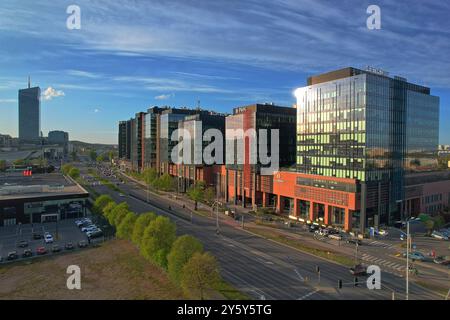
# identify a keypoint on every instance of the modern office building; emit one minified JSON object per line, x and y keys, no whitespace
{"x":151,"y":136}
{"x":30,"y":114}
{"x":368,"y":127}
{"x":243,"y":175}
{"x":60,"y":138}
{"x":194,"y":167}
{"x":125,"y":140}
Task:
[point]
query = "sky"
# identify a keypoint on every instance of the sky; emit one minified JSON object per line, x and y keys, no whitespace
{"x":130,"y":55}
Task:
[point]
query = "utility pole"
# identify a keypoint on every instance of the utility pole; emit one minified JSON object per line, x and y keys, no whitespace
{"x":407,"y":260}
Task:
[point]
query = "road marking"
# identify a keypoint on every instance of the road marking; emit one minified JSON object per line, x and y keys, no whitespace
{"x":308,"y":295}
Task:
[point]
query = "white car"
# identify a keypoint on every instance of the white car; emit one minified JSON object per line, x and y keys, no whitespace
{"x":439,"y":235}
{"x":48,"y":238}
{"x":89,"y":228}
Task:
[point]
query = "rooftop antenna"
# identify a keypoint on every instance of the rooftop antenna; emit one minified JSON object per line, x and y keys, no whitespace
{"x":29,"y":82}
{"x":198,"y":104}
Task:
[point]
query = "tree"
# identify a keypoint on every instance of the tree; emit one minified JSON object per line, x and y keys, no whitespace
{"x":165,"y":182}
{"x":74,"y":155}
{"x":2,"y":165}
{"x":158,"y":239}
{"x":117,"y":214}
{"x":93,"y":155}
{"x":125,"y":228}
{"x":108,"y":209}
{"x":182,"y":250}
{"x":141,"y":223}
{"x":19,"y":162}
{"x":150,"y":175}
{"x":74,"y":173}
{"x":66,"y":168}
{"x":200,"y":273}
{"x":101,"y":203}
{"x":209,"y":195}
{"x":196,"y":193}
{"x":429,"y":225}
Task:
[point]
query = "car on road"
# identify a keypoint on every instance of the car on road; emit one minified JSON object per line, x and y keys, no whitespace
{"x":69,"y":246}
{"x":442,"y":260}
{"x":354,"y":241}
{"x":37,"y":236}
{"x":82,"y":244}
{"x":56,"y":248}
{"x":358,"y":270}
{"x":22,"y":244}
{"x":313,"y":228}
{"x":12,"y":255}
{"x":439,"y":235}
{"x":121,"y":195}
{"x":48,"y":238}
{"x":27,"y":253}
{"x":415,"y":256}
{"x":41,"y":250}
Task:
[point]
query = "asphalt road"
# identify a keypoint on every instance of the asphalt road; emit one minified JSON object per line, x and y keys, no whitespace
{"x":262,"y":268}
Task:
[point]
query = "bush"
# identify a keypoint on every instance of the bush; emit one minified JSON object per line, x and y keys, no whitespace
{"x":182,"y":250}
{"x":141,"y":223}
{"x":74,"y":173}
{"x":200,"y":274}
{"x":158,"y":239}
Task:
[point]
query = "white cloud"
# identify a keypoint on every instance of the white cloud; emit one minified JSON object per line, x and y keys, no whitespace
{"x":8,"y":100}
{"x":84,"y":74}
{"x":164,"y":96}
{"x":51,"y":93}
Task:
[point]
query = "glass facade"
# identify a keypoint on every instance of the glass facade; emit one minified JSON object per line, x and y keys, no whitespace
{"x":150,"y":140}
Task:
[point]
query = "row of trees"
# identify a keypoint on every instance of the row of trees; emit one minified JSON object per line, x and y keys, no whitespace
{"x":183,"y":257}
{"x":164,"y":182}
{"x":71,"y":171}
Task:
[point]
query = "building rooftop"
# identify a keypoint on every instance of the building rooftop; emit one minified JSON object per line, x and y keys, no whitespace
{"x":16,"y":186}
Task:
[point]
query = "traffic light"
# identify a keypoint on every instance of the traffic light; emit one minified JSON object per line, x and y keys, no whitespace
{"x":340,"y":284}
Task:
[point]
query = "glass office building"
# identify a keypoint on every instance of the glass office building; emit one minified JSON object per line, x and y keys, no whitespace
{"x":370,"y":127}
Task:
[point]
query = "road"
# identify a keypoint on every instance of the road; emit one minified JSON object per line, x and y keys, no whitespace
{"x":261,"y":268}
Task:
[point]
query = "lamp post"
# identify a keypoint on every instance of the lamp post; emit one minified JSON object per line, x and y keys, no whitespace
{"x":407,"y":260}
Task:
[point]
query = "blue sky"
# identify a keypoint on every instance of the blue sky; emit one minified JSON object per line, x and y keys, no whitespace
{"x":130,"y":55}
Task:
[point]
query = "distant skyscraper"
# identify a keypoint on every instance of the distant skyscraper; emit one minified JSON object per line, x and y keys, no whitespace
{"x":29,"y":114}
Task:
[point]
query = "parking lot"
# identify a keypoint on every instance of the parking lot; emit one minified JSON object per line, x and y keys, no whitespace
{"x":63,"y":233}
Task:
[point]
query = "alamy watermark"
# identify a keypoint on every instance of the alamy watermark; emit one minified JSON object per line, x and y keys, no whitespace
{"x":242,"y":147}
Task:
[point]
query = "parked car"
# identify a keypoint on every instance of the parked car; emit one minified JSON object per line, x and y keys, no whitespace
{"x":12,"y":255}
{"x":22,"y":244}
{"x":48,"y":238}
{"x":89,"y":228}
{"x":415,"y":256}
{"x":56,"y":248}
{"x":95,"y":234}
{"x":358,"y":270}
{"x":69,"y":246}
{"x":313,"y":228}
{"x":439,"y":235}
{"x":82,"y":244}
{"x":41,"y":250}
{"x":27,"y":253}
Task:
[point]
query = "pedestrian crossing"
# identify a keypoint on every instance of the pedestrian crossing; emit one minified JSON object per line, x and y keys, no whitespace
{"x":381,"y":244}
{"x":383,"y":262}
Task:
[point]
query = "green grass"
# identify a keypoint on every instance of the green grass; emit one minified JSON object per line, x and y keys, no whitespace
{"x":329,"y":255}
{"x":229,"y":292}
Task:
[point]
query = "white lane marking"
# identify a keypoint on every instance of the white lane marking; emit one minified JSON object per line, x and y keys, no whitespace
{"x":308,"y":295}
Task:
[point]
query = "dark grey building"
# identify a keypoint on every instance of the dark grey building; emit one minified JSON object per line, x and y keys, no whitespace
{"x":30,"y":114}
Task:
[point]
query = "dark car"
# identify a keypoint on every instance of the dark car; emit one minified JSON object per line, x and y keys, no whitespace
{"x":82,"y":244}
{"x":442,"y":260}
{"x":69,"y":246}
{"x":41,"y":250}
{"x":12,"y":255}
{"x":358,"y":270}
{"x":22,"y":244}
{"x":27,"y":253}
{"x":37,"y":236}
{"x":313,"y":228}
{"x":354,"y":241}
{"x":95,"y":234}
{"x":56,"y":248}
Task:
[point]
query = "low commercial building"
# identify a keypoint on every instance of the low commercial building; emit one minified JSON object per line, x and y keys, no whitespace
{"x":39,"y":198}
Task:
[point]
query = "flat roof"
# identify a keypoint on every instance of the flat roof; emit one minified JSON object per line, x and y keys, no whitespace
{"x":15,"y":186}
